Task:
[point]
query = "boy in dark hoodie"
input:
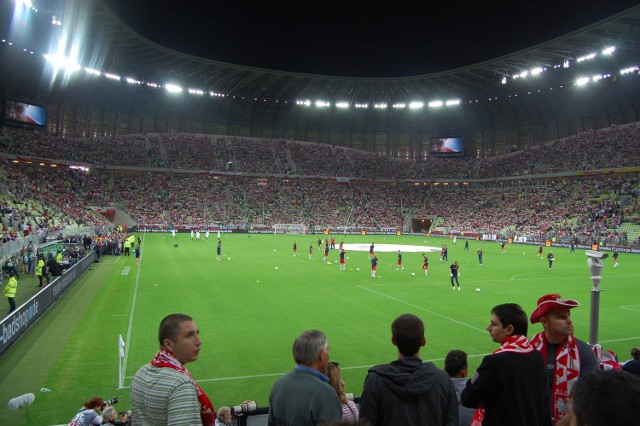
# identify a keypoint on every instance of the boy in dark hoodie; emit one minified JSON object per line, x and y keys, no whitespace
{"x":408,"y":391}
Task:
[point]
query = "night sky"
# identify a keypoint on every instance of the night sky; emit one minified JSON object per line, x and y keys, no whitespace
{"x":359,"y":39}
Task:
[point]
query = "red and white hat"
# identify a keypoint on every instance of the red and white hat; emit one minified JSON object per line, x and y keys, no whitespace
{"x":550,"y":302}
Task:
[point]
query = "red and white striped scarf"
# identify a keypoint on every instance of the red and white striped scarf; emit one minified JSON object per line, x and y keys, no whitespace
{"x":167,"y":360}
{"x":514,"y":343}
{"x":567,"y":369}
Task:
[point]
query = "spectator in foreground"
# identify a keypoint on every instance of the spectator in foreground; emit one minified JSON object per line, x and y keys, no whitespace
{"x":508,"y":386}
{"x":163,"y":392}
{"x":349,"y":408}
{"x":633,"y":365}
{"x":408,"y":391}
{"x":457,"y":367}
{"x":571,"y":357}
{"x":303,"y":396}
{"x":603,"y":399}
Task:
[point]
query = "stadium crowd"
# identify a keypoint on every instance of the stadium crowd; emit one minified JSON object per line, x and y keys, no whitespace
{"x":254,"y":188}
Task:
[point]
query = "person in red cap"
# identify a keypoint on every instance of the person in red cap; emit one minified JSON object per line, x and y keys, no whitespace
{"x":566,"y":357}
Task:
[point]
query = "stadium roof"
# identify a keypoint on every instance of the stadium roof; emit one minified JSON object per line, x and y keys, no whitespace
{"x":113,"y":46}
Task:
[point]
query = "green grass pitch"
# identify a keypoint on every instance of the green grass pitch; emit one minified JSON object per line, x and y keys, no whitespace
{"x":251,"y":305}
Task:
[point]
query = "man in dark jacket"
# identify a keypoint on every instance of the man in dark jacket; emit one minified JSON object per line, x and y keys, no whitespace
{"x":408,"y":391}
{"x":508,"y":387}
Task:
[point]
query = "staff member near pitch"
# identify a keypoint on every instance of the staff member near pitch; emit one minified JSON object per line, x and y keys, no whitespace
{"x":10,"y":290}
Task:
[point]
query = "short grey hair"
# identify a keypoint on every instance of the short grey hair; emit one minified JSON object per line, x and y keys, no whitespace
{"x":308,"y":345}
{"x":107,"y":413}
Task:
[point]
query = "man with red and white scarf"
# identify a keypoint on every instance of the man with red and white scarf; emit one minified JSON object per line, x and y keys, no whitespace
{"x":163,"y":391}
{"x":508,"y":386}
{"x":566,"y":357}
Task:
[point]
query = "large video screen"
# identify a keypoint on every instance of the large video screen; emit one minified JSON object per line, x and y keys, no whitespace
{"x":446,"y":147}
{"x":21,"y":113}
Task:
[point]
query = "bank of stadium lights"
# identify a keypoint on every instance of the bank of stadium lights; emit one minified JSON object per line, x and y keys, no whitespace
{"x":93,"y":71}
{"x":342,"y":105}
{"x":132,"y":80}
{"x":196,"y":92}
{"x":380,"y":106}
{"x":55,"y":21}
{"x":566,"y":63}
{"x":361,"y":105}
{"x":629,"y":70}
{"x":322,"y":104}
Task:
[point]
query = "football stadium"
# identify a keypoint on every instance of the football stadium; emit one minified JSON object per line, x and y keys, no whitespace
{"x":141,"y":177}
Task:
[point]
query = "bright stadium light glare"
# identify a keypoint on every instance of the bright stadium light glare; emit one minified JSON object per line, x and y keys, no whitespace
{"x":399,"y":105}
{"x":323,"y":104}
{"x":380,"y":106}
{"x":504,"y":80}
{"x":582,"y":81}
{"x":435,"y":104}
{"x":305,"y":102}
{"x":60,"y":62}
{"x":110,"y":76}
{"x":596,"y":77}
{"x":524,"y":74}
{"x":152,"y":84}
{"x":566,"y":63}
{"x":363,"y":106}
{"x":131,"y":80}
{"x":536,"y":71}
{"x":416,"y":105}
{"x":173,"y":88}
{"x":342,"y":104}
{"x":608,"y":50}
{"x":452,"y":102}
{"x":196,"y":92}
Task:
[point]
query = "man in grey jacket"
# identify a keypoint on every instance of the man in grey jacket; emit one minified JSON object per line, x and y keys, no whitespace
{"x":408,"y":391}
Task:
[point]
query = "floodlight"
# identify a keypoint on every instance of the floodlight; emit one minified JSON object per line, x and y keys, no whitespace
{"x":132,"y":80}
{"x":452,"y":102}
{"x":173,"y":88}
{"x":608,"y":50}
{"x":380,"y":106}
{"x":416,"y":105}
{"x":435,"y":104}
{"x":60,"y":62}
{"x":582,"y":81}
{"x":196,"y":91}
{"x":399,"y":105}
{"x":362,"y":106}
{"x":342,"y":104}
{"x":323,"y":104}
{"x":504,"y":80}
{"x":112,"y":76}
{"x":536,"y":71}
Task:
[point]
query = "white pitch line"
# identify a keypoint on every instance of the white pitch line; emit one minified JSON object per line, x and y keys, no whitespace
{"x":619,"y":340}
{"x":631,"y":308}
{"x":133,"y":305}
{"x":483,"y":331}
